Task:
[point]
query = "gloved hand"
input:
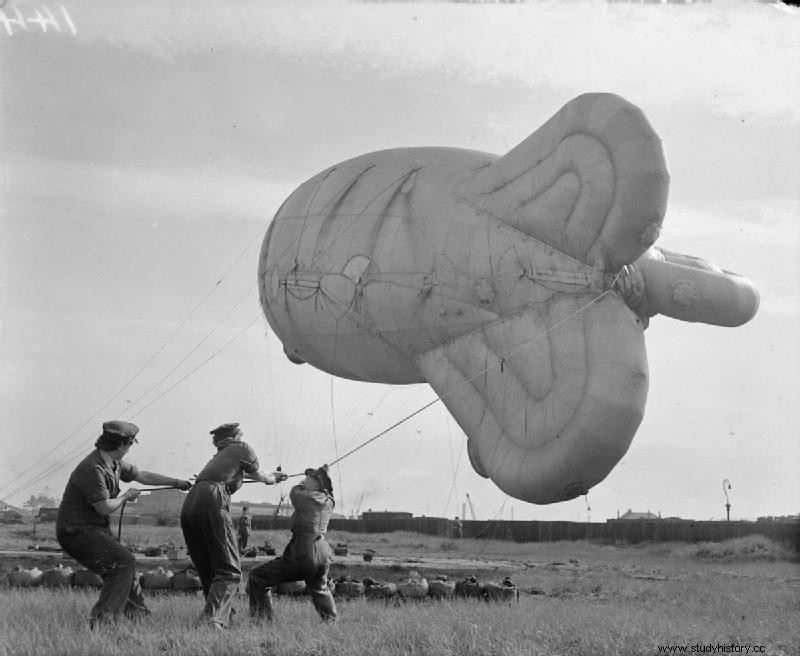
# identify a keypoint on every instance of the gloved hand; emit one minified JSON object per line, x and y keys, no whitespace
{"x":280,"y":476}
{"x":183,"y":485}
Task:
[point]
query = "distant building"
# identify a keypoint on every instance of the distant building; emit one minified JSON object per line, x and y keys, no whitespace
{"x":10,"y":517}
{"x":7,"y":506}
{"x":782,"y":518}
{"x":155,"y":503}
{"x":171,"y":501}
{"x":639,"y":515}
{"x":47,"y":514}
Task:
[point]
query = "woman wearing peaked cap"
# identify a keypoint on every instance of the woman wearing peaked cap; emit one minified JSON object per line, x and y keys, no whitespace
{"x":307,"y":557}
{"x":207,"y":524}
{"x":82,"y":527}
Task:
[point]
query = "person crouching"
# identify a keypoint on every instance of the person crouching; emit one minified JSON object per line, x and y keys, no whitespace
{"x":83,"y":525}
{"x":307,"y":557}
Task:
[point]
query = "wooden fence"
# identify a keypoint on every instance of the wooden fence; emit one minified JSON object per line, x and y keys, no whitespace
{"x":626,"y":531}
{"x":613,"y":530}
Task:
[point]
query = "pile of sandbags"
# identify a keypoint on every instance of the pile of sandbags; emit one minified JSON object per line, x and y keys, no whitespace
{"x":491,"y":591}
{"x":415,"y":587}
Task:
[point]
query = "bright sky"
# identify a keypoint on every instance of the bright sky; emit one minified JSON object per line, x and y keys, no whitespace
{"x":146,"y":147}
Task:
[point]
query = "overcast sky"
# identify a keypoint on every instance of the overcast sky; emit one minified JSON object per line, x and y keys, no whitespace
{"x":145,"y":149}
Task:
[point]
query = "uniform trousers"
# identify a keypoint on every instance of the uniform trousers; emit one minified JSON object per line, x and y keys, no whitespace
{"x":212,"y":546}
{"x":95,"y":548}
{"x":306,"y":558}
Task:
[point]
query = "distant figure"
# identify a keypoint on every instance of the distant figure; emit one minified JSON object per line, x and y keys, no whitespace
{"x":207,"y":525}
{"x":82,"y":526}
{"x":307,"y":556}
{"x":244,"y":529}
{"x":458,"y":531}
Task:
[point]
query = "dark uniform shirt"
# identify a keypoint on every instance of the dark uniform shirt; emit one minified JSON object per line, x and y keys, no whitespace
{"x":233,"y":458}
{"x":312,"y":510}
{"x":92,"y":480}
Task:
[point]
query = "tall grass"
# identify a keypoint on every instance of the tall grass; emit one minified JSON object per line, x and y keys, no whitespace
{"x":579,"y":598}
{"x":600,"y":611}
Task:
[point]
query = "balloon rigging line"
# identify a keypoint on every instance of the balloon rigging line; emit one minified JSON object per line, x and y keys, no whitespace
{"x":278,"y":441}
{"x":202,"y":364}
{"x":455,"y":469}
{"x":69,"y":455}
{"x":478,"y":374}
{"x":369,"y":415}
{"x":190,"y":353}
{"x":335,"y":444}
{"x":74,"y":453}
{"x":492,"y":522}
{"x":141,"y":368}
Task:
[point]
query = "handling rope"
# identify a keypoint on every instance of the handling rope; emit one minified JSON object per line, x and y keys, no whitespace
{"x":119,"y":526}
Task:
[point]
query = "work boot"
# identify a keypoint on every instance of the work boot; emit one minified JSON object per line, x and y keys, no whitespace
{"x":206,"y":622}
{"x":261,"y":608}
{"x":100,"y":620}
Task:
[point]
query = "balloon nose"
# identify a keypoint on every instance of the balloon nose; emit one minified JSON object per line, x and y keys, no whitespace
{"x":693,"y":290}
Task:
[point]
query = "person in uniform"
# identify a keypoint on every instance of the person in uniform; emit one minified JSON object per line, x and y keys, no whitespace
{"x":207,"y":524}
{"x":83,"y":525}
{"x":458,"y":529}
{"x":245,"y":528}
{"x":307,"y":556}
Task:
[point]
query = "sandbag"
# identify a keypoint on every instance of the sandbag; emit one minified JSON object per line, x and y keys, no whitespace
{"x":377,"y":590}
{"x":441,"y":588}
{"x":158,"y":578}
{"x":347,"y":588}
{"x":186,"y":580}
{"x":176,"y":553}
{"x":25,"y":578}
{"x":83,"y":578}
{"x":469,"y":587}
{"x":153,"y":552}
{"x":413,"y":588}
{"x":58,"y":577}
{"x":291,"y":588}
{"x":267,"y":549}
{"x":500,"y":591}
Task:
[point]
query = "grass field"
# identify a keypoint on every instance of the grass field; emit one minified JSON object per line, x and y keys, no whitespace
{"x":578,"y":598}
